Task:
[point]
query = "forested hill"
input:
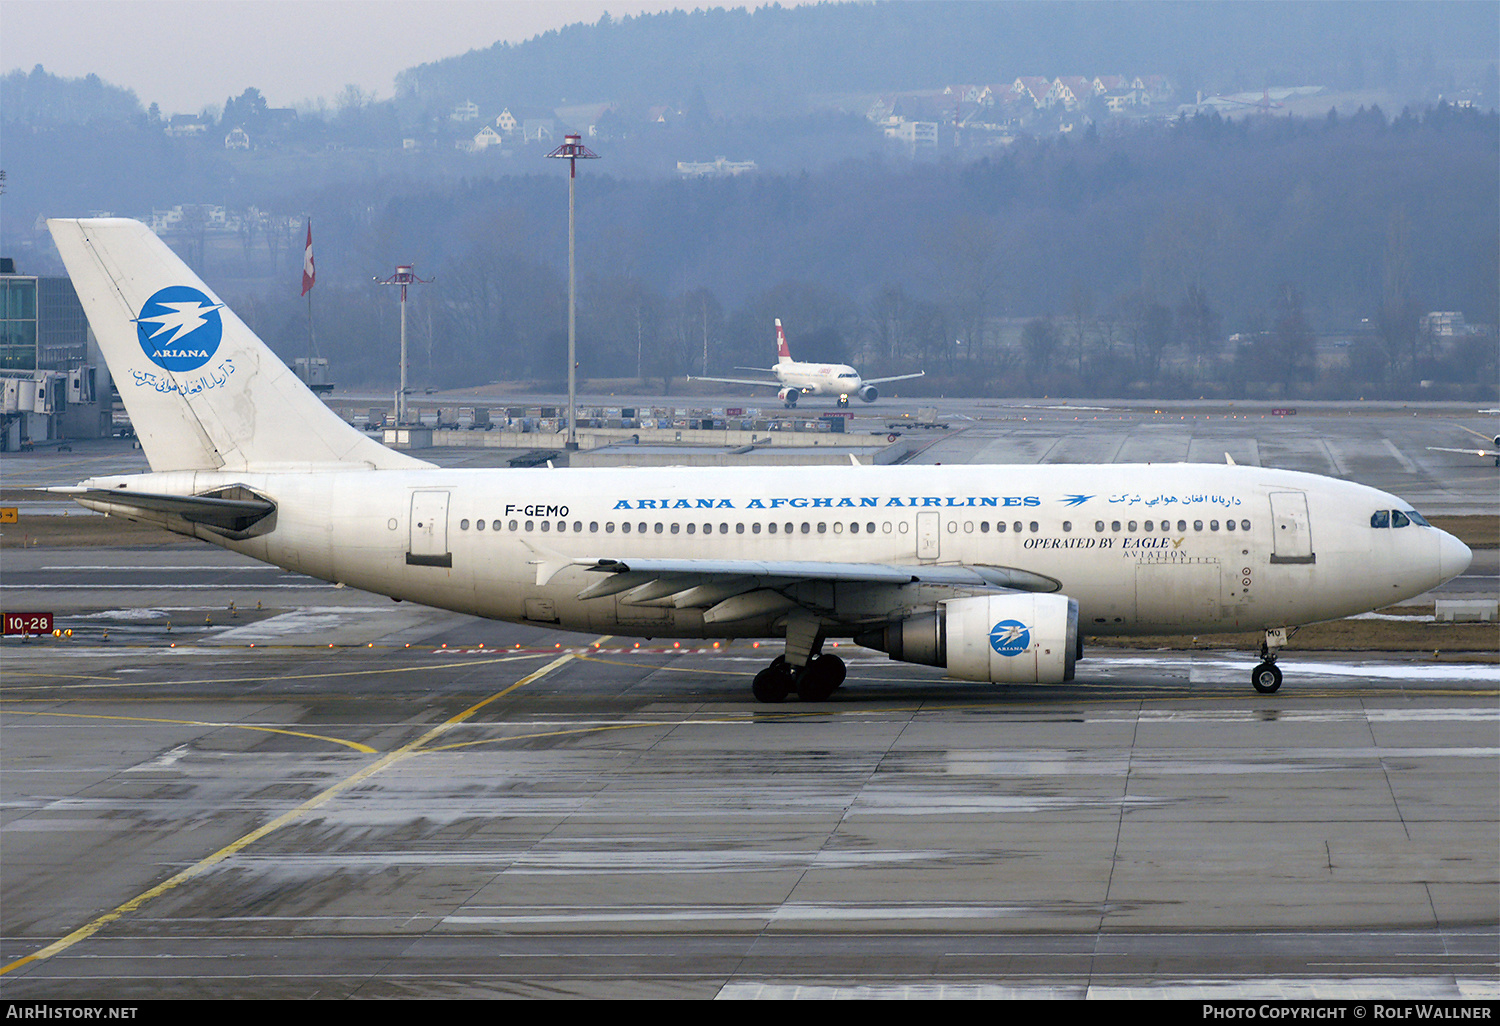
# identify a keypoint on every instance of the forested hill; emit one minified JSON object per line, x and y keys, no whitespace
{"x":742,"y":59}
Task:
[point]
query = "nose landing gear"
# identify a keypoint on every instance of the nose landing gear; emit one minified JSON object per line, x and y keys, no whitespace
{"x":1266,"y":678}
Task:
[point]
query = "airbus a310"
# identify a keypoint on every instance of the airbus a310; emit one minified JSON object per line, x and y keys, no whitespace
{"x":993,"y":572}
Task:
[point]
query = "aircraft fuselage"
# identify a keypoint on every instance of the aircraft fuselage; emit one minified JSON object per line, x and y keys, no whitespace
{"x":1143,"y":549}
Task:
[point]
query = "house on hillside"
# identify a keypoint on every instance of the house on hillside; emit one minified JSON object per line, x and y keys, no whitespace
{"x":182,"y":125}
{"x":237,"y":139}
{"x":484,"y":139}
{"x":1152,"y":89}
{"x":526,"y":124}
{"x":982,"y":95}
{"x":1114,"y":92}
{"x":1035,"y":89}
{"x":916,"y":135}
{"x":539,"y":130}
{"x":1072,"y":91}
{"x":718,"y":168}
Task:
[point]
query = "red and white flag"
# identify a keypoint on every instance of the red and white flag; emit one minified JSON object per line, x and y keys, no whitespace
{"x":309,"y":275}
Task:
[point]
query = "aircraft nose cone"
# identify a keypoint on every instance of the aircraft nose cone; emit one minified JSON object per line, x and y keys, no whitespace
{"x":1454,"y":556}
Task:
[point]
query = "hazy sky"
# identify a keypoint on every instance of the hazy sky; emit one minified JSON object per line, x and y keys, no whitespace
{"x":187,"y":54}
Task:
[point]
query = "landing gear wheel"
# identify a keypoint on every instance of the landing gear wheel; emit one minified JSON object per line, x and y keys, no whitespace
{"x":1267,"y":678}
{"x":821,"y":678}
{"x":773,"y":684}
{"x":771,"y":687}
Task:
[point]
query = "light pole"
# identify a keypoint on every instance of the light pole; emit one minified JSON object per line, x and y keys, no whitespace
{"x":572,"y":150}
{"x":404,"y":276}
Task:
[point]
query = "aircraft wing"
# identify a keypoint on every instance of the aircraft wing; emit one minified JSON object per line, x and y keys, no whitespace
{"x":1484,"y":453}
{"x":898,"y":377}
{"x":227,"y":514}
{"x":730,"y":589}
{"x":766,"y":382}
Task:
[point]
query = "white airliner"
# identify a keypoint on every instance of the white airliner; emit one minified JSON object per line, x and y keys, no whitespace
{"x":1488,"y":454}
{"x":994,"y":572}
{"x":794,"y":379}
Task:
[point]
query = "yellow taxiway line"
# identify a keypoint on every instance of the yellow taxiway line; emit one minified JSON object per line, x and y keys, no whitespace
{"x":98,"y":923}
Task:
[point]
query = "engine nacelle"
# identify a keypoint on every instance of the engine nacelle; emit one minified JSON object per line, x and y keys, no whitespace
{"x":869,"y":393}
{"x":1007,"y":639}
{"x":789,"y":395}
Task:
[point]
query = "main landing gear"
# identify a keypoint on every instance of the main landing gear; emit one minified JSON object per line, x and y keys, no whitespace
{"x":804,"y":670}
{"x":1266,"y":678}
{"x":815,"y":682}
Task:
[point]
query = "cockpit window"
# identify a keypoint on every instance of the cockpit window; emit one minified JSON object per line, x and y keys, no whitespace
{"x":1397,"y":518}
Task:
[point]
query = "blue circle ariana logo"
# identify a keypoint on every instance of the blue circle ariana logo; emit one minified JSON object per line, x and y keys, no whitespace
{"x":179,"y":328}
{"x":1010,"y":637}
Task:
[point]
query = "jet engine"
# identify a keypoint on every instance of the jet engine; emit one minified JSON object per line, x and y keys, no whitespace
{"x":1007,"y":639}
{"x":869,"y":393}
{"x":789,"y":395}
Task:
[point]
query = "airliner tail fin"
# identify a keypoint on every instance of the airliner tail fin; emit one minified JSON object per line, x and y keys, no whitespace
{"x":203,"y":391}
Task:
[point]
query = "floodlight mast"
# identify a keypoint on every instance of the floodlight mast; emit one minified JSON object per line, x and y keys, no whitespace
{"x":404,"y":276}
{"x":572,"y":150}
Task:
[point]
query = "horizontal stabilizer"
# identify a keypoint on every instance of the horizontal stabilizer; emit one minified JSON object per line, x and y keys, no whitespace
{"x":210,"y":511}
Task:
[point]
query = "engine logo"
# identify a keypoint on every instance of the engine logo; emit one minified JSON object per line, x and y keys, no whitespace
{"x":179,"y":328}
{"x":1010,"y":637}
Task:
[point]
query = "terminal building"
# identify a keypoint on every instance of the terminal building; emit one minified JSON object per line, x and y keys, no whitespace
{"x":54,"y":384}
